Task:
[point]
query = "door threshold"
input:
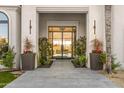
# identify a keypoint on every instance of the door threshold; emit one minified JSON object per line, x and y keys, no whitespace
{"x":62,"y":58}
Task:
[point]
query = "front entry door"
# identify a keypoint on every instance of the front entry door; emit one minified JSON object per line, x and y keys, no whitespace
{"x":62,"y":39}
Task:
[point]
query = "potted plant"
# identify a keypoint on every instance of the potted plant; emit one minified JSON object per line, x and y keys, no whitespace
{"x":82,"y":60}
{"x":45,"y":52}
{"x":103,"y":59}
{"x":80,"y":53}
{"x":95,"y":63}
{"x":80,"y":46}
{"x":28,"y":57}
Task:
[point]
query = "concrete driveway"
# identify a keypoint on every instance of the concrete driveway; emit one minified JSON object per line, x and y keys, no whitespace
{"x":62,"y":74}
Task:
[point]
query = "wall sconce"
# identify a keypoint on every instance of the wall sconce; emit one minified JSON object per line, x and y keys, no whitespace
{"x":94,"y":28}
{"x":30,"y":27}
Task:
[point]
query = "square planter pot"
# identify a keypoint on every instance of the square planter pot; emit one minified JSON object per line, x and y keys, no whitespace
{"x":28,"y":61}
{"x":95,"y":63}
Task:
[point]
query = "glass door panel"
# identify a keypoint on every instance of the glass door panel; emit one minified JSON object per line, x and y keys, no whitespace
{"x":50,"y":35}
{"x":67,"y":44}
{"x":57,"y":44}
{"x":73,"y":43}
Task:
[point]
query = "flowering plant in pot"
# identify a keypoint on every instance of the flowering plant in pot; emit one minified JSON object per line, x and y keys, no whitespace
{"x":28,"y":57}
{"x":97,"y":46}
{"x":95,"y":62}
{"x":27,"y":46}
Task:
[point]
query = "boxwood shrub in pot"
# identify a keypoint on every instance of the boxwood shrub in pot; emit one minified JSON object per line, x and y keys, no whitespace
{"x":28,"y":57}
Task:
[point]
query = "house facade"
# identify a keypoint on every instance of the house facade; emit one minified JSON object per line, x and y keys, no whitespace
{"x":63,"y":25}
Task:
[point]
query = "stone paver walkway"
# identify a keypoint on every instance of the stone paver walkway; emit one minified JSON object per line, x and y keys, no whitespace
{"x":62,"y":74}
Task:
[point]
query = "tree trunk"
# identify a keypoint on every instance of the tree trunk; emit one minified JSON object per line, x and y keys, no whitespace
{"x":108,"y":65}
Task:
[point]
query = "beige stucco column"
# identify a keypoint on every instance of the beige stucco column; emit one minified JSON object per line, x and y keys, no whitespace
{"x":28,"y":18}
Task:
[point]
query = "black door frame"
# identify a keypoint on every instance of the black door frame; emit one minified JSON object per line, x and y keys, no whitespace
{"x":73,"y":39}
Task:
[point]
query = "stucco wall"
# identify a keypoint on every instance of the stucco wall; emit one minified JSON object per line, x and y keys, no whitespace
{"x":14,"y":14}
{"x":96,"y":12}
{"x":118,"y":32}
{"x":62,"y":17}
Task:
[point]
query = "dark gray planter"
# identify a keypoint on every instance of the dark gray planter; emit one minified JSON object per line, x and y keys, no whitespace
{"x":28,"y":61}
{"x":95,"y":63}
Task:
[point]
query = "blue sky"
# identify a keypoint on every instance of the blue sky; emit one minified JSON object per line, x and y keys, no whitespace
{"x":3,"y":30}
{"x":3,"y":16}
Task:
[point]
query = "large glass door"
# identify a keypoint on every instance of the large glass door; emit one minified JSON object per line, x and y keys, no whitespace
{"x":62,"y":39}
{"x":57,"y":44}
{"x":67,"y":44}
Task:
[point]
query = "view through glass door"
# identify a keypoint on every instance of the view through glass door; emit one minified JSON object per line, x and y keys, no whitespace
{"x":62,"y":39}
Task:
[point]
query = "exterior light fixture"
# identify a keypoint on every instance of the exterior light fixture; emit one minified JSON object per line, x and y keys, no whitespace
{"x":30,"y":26}
{"x":94,"y":28}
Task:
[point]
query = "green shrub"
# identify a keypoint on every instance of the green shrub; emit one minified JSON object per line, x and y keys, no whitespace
{"x":82,"y":60}
{"x":115,"y":64}
{"x":80,"y":51}
{"x":45,"y":51}
{"x":3,"y":49}
{"x":103,"y":57}
{"x":80,"y":48}
{"x":76,"y":61}
{"x":8,"y":58}
{"x":1,"y":62}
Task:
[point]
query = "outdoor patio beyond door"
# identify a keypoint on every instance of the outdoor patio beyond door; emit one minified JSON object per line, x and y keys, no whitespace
{"x":62,"y":39}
